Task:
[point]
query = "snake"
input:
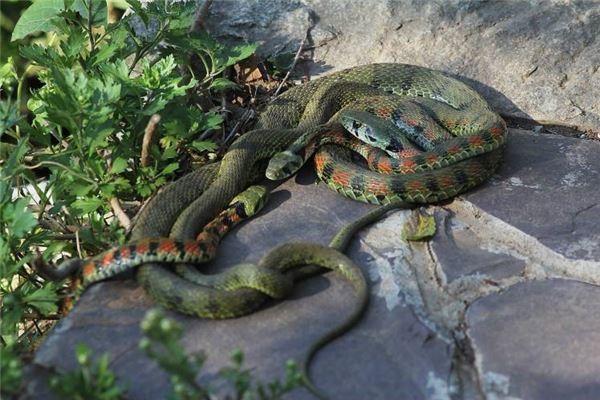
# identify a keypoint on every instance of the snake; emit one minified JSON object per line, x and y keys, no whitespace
{"x":467,"y":154}
{"x":424,"y":136}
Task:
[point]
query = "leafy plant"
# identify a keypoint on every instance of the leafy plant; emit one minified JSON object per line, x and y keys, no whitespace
{"x":11,"y":376}
{"x":70,"y":150}
{"x":93,"y":380}
{"x":161,"y":343}
{"x":71,"y":161}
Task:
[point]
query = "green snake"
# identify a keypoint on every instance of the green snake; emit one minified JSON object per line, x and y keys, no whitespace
{"x":430,"y":137}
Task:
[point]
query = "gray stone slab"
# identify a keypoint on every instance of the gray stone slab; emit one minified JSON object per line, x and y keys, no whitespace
{"x":543,"y":336}
{"x":457,"y":250}
{"x":548,"y":188}
{"x":107,"y":317}
{"x":414,"y":340}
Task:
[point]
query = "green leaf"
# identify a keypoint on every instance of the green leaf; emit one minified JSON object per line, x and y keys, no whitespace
{"x":81,"y":189}
{"x":118,"y":165}
{"x":169,"y":169}
{"x":38,"y":17}
{"x":88,"y":205}
{"x":419,"y":227}
{"x":222,"y":84}
{"x":232,"y":55}
{"x":212,"y":120}
{"x":94,"y":10}
{"x":44,"y":56}
{"x":8,"y":74}
{"x":204,"y":145}
{"x":21,"y":219}
{"x":43,"y":299}
{"x":10,"y":167}
{"x":9,"y":114}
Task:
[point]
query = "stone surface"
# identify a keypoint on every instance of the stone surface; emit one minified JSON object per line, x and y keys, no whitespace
{"x":555,"y":325}
{"x":545,"y":192}
{"x":432,"y":330}
{"x":531,"y":59}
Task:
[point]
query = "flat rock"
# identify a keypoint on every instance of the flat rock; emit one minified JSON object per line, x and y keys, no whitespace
{"x":417,"y":335}
{"x":544,"y":336}
{"x":530,"y":59}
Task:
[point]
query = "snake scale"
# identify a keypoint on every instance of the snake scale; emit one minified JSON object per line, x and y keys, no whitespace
{"x":424,"y":136}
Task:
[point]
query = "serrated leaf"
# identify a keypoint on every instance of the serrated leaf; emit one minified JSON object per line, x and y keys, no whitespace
{"x":119,"y":165}
{"x":169,"y":169}
{"x":233,"y":55}
{"x":88,"y":205}
{"x":79,"y":189}
{"x":204,"y":145}
{"x":222,"y":84}
{"x":212,"y":120}
{"x":97,"y":13}
{"x":43,"y":299}
{"x":9,"y":115}
{"x":22,"y":220}
{"x":7,"y":73}
{"x":45,"y":56}
{"x":38,"y":17}
{"x":420,"y":227}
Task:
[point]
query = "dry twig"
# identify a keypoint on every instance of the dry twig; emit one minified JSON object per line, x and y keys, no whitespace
{"x":248,"y":114}
{"x":123,"y":218}
{"x":297,"y":56}
{"x":147,"y":140}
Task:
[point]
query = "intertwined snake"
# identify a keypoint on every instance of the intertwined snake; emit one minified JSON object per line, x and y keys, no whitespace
{"x":429,"y":138}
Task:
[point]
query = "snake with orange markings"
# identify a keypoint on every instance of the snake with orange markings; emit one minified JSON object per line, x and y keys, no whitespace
{"x":424,"y":137}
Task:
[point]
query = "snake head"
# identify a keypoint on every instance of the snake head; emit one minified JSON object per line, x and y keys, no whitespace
{"x":283,"y":165}
{"x":252,"y":199}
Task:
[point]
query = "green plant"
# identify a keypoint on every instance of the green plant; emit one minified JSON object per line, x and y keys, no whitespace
{"x":161,"y":343}
{"x":71,"y":162}
{"x":71,"y":149}
{"x":10,"y":372}
{"x":93,"y":380}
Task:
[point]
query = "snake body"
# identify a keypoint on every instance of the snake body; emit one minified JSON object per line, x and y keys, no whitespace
{"x":430,"y":137}
{"x":442,"y":171}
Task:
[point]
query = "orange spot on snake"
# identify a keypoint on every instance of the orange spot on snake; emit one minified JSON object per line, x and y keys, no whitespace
{"x":476,"y":141}
{"x":408,"y":166}
{"x":191,"y":247}
{"x":142,"y":247}
{"x":88,"y":269}
{"x":454,"y":149}
{"x":125,"y":252}
{"x":497,"y":131}
{"x":377,"y":187}
{"x":415,"y":185}
{"x":107,"y":258}
{"x":431,"y":158}
{"x":385,"y":165}
{"x":341,"y":178}
{"x":166,"y":246}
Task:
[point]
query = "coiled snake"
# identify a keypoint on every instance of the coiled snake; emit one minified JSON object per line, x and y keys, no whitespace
{"x":429,"y":138}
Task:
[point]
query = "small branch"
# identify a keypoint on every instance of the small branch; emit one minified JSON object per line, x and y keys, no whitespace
{"x":64,"y":236}
{"x":147,"y":140}
{"x":37,"y":315}
{"x":296,"y":58}
{"x":120,"y":214}
{"x":69,"y":170}
{"x":78,"y":243}
{"x":248,"y":114}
